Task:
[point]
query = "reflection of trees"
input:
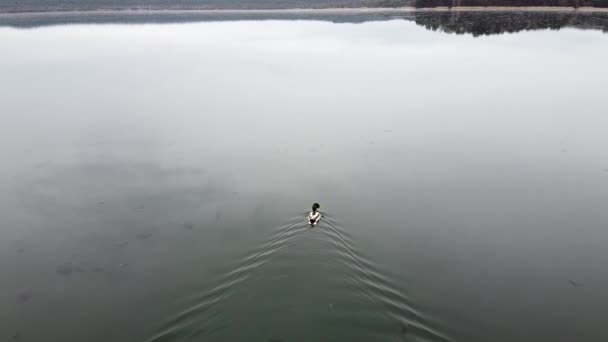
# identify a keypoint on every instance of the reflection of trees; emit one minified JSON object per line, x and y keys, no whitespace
{"x":565,"y":3}
{"x":488,"y":23}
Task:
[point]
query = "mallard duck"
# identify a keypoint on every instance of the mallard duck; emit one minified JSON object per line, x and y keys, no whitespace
{"x":315,"y":215}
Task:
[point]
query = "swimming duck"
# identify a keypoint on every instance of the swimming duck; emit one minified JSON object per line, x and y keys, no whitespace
{"x":315,"y":215}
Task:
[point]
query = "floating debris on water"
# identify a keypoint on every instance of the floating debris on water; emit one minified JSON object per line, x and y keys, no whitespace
{"x":68,"y":268}
{"x":189,"y":226}
{"x":144,"y":235}
{"x":122,"y":243}
{"x":19,"y":246}
{"x":574,"y":283}
{"x":98,"y":269}
{"x":25,"y":296}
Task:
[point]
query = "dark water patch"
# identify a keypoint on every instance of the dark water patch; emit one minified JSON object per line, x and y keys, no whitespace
{"x":131,"y":185}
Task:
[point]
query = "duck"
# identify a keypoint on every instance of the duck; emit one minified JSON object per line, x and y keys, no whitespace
{"x":315,"y":215}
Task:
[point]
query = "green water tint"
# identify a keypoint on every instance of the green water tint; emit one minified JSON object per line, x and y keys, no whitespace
{"x":264,"y":295}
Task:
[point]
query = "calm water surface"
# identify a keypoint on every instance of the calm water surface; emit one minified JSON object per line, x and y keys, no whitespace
{"x":154,"y":182}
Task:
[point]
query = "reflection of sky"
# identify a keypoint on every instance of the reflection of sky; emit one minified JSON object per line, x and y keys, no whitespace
{"x":269,"y":82}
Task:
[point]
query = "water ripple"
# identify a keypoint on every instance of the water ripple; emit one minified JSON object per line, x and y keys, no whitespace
{"x":204,"y":317}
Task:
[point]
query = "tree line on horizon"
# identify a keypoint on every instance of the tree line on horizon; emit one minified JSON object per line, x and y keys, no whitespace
{"x":492,"y":23}
{"x":512,"y":3}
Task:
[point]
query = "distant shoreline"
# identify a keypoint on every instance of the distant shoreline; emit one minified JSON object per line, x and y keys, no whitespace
{"x":345,"y":10}
{"x":514,"y":9}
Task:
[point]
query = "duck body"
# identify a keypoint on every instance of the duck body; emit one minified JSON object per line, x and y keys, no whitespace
{"x":315,"y":215}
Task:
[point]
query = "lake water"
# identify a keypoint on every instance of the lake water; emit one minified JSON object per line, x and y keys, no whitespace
{"x":155,"y":179}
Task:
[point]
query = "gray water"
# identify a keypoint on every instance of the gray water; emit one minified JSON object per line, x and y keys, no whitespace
{"x":154,"y":183}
